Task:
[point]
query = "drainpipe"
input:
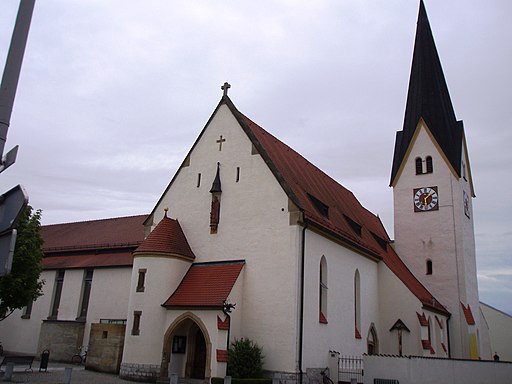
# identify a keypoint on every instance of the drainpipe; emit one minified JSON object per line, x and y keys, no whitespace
{"x":448,"y":337}
{"x":227,"y":308}
{"x":301,"y":319}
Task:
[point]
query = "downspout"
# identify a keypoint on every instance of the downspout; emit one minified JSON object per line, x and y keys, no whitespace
{"x":448,"y":337}
{"x":301,"y":319}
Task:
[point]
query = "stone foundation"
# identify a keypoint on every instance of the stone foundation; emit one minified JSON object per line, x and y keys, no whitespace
{"x":148,"y":373}
{"x":61,"y":338}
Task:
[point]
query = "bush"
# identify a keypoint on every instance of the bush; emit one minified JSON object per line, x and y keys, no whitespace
{"x":245,"y":359}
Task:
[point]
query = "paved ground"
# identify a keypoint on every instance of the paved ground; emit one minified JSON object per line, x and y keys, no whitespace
{"x":56,"y":375}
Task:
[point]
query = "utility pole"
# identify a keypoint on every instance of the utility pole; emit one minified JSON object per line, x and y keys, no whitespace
{"x":15,"y":200}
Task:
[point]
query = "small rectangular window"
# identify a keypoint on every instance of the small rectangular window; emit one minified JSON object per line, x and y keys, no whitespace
{"x":136,"y":323}
{"x":237,"y":174}
{"x":141,"y":280}
{"x":198,"y":180}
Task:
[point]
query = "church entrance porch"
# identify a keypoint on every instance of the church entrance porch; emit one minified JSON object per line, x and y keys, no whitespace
{"x":187,"y":350}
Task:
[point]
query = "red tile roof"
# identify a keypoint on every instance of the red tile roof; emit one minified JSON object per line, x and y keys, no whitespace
{"x":106,"y":259}
{"x":166,"y":239}
{"x":468,"y":314}
{"x":329,"y":206}
{"x":322,"y":319}
{"x":91,"y":244}
{"x":326,"y":205}
{"x":94,"y":234}
{"x":206,"y":285}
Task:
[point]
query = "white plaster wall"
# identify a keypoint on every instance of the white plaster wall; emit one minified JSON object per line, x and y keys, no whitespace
{"x":162,"y":278}
{"x":434,"y":371}
{"x":108,"y":299}
{"x":254,"y":225}
{"x":22,"y":335}
{"x":109,"y":296}
{"x":445,"y":236}
{"x":397,"y":302}
{"x":500,"y":330}
{"x":71,"y":294}
{"x":339,"y":333}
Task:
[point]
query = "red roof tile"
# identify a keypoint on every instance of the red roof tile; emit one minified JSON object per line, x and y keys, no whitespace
{"x":95,"y":234}
{"x":166,"y":239}
{"x":206,"y":285}
{"x":468,"y":314}
{"x":106,"y":259}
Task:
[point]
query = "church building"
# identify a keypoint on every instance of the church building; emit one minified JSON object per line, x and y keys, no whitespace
{"x":251,"y":240}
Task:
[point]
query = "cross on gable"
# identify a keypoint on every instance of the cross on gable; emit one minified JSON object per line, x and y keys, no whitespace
{"x":225,"y":88}
{"x":220,"y":141}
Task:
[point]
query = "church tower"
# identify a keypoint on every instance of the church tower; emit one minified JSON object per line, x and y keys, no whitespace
{"x":433,"y":192}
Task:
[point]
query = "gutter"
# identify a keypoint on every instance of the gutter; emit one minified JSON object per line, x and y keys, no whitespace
{"x":301,"y":317}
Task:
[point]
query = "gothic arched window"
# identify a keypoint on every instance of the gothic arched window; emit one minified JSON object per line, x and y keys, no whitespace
{"x":323,"y":291}
{"x":357,"y":304}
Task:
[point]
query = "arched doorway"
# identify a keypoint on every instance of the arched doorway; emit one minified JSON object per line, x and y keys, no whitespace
{"x":187,"y":349}
{"x":199,"y":356}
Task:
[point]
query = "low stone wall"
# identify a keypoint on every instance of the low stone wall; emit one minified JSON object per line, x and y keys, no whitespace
{"x":424,"y":370}
{"x":61,"y":338}
{"x":105,"y":347}
{"x":148,"y":373}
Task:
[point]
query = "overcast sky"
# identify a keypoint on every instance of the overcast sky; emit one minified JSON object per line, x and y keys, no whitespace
{"x":113,"y":94}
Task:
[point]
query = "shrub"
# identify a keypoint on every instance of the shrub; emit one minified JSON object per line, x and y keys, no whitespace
{"x":245,"y":359}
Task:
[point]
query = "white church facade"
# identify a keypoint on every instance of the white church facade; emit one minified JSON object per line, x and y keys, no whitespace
{"x":251,"y":240}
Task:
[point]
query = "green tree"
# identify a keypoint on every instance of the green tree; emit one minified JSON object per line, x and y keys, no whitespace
{"x":245,"y":359}
{"x":22,"y":285}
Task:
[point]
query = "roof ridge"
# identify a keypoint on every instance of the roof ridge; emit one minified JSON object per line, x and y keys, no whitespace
{"x":96,"y":220}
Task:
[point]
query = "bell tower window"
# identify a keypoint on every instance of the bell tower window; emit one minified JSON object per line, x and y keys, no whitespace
{"x":430,"y":166}
{"x":419,"y":166}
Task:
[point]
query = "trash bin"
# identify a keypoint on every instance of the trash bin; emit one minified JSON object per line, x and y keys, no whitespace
{"x":45,"y":356}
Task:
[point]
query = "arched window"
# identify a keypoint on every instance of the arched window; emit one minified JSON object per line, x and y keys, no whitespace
{"x":430,"y":165}
{"x":323,"y":291}
{"x":429,"y":267}
{"x":357,"y":304}
{"x":372,"y":341}
{"x":419,"y":166}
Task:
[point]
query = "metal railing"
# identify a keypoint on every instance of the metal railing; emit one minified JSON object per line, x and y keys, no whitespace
{"x":350,"y":367}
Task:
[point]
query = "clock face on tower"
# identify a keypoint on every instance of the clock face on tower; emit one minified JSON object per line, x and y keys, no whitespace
{"x":426,"y":199}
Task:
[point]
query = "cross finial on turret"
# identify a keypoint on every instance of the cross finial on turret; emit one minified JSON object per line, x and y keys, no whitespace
{"x":225,"y":88}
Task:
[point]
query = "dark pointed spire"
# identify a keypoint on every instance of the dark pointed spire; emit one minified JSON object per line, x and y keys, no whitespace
{"x":216,"y":183}
{"x":428,"y":98}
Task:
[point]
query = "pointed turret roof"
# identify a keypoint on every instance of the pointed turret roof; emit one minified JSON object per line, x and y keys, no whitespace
{"x":167,"y":239}
{"x":428,"y":99}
